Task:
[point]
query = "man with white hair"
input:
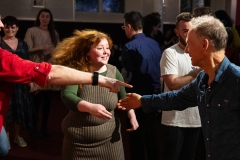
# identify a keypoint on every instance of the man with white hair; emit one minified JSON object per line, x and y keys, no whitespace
{"x":216,"y":90}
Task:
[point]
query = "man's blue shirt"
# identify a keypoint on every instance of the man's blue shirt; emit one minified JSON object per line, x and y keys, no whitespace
{"x":219,"y":108}
{"x":141,"y":56}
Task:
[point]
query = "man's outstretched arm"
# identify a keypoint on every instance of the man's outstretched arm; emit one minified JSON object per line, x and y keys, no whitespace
{"x":15,"y":69}
{"x":60,"y":75}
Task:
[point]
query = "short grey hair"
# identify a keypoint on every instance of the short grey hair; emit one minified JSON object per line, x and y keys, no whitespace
{"x":212,"y":29}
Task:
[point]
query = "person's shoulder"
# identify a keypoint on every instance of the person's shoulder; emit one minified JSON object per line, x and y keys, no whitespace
{"x":131,"y":44}
{"x":145,"y":38}
{"x":141,"y":40}
{"x":172,"y":48}
{"x":152,"y":41}
{"x":234,"y":69}
{"x":111,"y":70}
{"x":138,"y":38}
{"x":33,"y":28}
{"x":110,"y":66}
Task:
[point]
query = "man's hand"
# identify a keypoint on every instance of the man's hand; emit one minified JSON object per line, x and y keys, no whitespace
{"x":133,"y":101}
{"x":113,"y":84}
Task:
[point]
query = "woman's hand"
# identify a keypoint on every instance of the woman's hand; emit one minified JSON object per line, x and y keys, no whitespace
{"x":47,"y":49}
{"x":133,"y":120}
{"x":96,"y":110}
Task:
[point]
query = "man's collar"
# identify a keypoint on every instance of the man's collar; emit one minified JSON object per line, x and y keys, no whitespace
{"x":138,"y":35}
{"x":221,"y":70}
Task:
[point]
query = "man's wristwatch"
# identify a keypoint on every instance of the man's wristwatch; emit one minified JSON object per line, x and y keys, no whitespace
{"x":95,"y":78}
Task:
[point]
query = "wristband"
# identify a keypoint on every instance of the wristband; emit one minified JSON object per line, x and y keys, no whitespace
{"x":95,"y":78}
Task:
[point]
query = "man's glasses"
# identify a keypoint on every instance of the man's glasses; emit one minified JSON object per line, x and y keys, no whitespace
{"x":123,"y":27}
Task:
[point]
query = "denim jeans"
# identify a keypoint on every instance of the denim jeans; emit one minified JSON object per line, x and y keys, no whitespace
{"x":4,"y":143}
{"x":180,"y":143}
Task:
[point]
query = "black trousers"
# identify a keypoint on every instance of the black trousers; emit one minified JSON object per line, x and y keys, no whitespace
{"x":143,"y":142}
{"x":180,"y":143}
{"x":43,"y":97}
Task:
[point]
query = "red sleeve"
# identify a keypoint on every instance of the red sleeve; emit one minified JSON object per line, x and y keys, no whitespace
{"x":15,"y":69}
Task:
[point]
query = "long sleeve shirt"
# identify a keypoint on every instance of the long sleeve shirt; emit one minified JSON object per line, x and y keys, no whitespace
{"x":15,"y":69}
{"x":219,"y":108}
{"x":141,"y":56}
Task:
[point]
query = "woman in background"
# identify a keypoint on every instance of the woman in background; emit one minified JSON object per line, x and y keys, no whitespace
{"x":91,"y":128}
{"x":21,"y":110}
{"x":41,"y":40}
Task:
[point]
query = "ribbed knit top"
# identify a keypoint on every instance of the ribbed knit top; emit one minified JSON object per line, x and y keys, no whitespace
{"x":90,"y":128}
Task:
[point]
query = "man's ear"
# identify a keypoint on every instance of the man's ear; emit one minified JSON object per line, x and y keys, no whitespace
{"x":176,"y":31}
{"x":205,"y":44}
{"x":128,"y":26}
